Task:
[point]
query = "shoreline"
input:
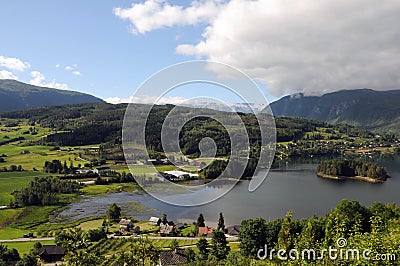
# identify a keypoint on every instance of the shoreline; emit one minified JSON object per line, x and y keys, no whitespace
{"x":362,"y":178}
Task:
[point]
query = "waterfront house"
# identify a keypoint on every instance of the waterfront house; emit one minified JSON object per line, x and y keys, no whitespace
{"x":154,"y":220}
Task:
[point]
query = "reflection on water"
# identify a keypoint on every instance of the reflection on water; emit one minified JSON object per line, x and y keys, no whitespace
{"x":292,"y":186}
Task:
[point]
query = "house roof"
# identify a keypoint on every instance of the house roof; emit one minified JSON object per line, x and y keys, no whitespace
{"x":173,"y":257}
{"x":154,"y":219}
{"x":125,"y":222}
{"x":51,"y":250}
{"x":166,"y":228}
{"x":234,"y":229}
{"x":205,"y":230}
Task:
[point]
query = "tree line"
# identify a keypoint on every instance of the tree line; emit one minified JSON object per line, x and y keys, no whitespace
{"x":43,"y":191}
{"x":350,"y":168}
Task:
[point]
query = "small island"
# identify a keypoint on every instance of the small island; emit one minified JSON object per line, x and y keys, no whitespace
{"x":341,"y":169}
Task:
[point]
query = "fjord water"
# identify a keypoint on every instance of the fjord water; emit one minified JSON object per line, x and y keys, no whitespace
{"x":291,"y":187}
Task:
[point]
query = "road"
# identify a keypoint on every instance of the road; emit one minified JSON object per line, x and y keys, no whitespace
{"x":149,"y":237}
{"x":23,"y":239}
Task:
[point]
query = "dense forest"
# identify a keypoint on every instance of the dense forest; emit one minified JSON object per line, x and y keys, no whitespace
{"x":351,"y":168}
{"x":101,"y":123}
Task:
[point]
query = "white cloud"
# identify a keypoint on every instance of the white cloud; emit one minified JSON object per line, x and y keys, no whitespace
{"x":58,"y":66}
{"x":4,"y":74}
{"x":13,"y":63}
{"x":76,"y":73}
{"x":38,"y":78}
{"x":69,"y":68}
{"x":156,"y":14}
{"x":310,"y":46}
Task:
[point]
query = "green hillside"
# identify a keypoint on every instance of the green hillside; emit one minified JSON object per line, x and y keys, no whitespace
{"x":15,"y":95}
{"x":379,"y":110}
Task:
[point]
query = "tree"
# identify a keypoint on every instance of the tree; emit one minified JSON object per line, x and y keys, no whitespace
{"x":174,"y":244}
{"x":141,"y":252}
{"x":28,"y":260}
{"x":252,"y":236}
{"x":201,"y":221}
{"x":202,"y":245}
{"x":221,"y":222}
{"x":286,"y":235}
{"x":190,"y":254}
{"x":114,"y":213}
{"x":164,"y":218}
{"x":219,"y":245}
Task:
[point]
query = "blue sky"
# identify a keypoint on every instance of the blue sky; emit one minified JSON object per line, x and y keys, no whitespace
{"x":108,"y":48}
{"x":112,"y":62}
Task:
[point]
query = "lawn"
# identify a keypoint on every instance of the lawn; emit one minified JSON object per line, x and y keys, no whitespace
{"x":109,"y":188}
{"x":25,"y":247}
{"x":11,"y":233}
{"x":7,"y":216}
{"x":14,"y":181}
{"x":33,"y":216}
{"x":94,"y":224}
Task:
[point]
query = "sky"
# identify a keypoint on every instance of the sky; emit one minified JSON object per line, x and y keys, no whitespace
{"x":109,"y":48}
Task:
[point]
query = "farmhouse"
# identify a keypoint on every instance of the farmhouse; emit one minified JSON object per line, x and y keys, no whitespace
{"x":233,"y":230}
{"x":205,"y":231}
{"x":154,"y":220}
{"x":173,"y":257}
{"x":125,"y":225}
{"x":166,"y":229}
{"x":51,"y":253}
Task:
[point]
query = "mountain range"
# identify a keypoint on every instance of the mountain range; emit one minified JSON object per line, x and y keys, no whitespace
{"x":362,"y":108}
{"x":15,"y":95}
{"x":366,"y":108}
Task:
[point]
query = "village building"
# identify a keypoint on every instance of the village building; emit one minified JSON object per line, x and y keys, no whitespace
{"x":205,"y":231}
{"x":166,"y":229}
{"x":125,"y":225}
{"x":51,"y":253}
{"x":154,"y":220}
{"x":173,"y":257}
{"x":233,"y":230}
{"x":100,"y":170}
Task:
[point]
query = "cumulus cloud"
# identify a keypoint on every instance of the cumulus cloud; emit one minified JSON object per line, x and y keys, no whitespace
{"x":157,"y":14}
{"x":38,"y":80}
{"x":76,"y":73}
{"x":13,"y":63}
{"x":58,"y":66}
{"x":69,"y":68}
{"x":4,"y":74}
{"x":309,"y":46}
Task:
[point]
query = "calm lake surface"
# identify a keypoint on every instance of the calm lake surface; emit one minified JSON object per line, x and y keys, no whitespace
{"x":291,"y":187}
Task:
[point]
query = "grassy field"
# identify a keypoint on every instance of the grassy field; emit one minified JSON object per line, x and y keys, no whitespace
{"x":25,"y":247}
{"x":10,"y":181}
{"x":94,"y":224}
{"x":7,"y":216}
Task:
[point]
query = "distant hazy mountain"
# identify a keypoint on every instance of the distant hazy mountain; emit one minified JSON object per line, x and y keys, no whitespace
{"x":15,"y":95}
{"x":228,"y":107}
{"x":364,"y":108}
